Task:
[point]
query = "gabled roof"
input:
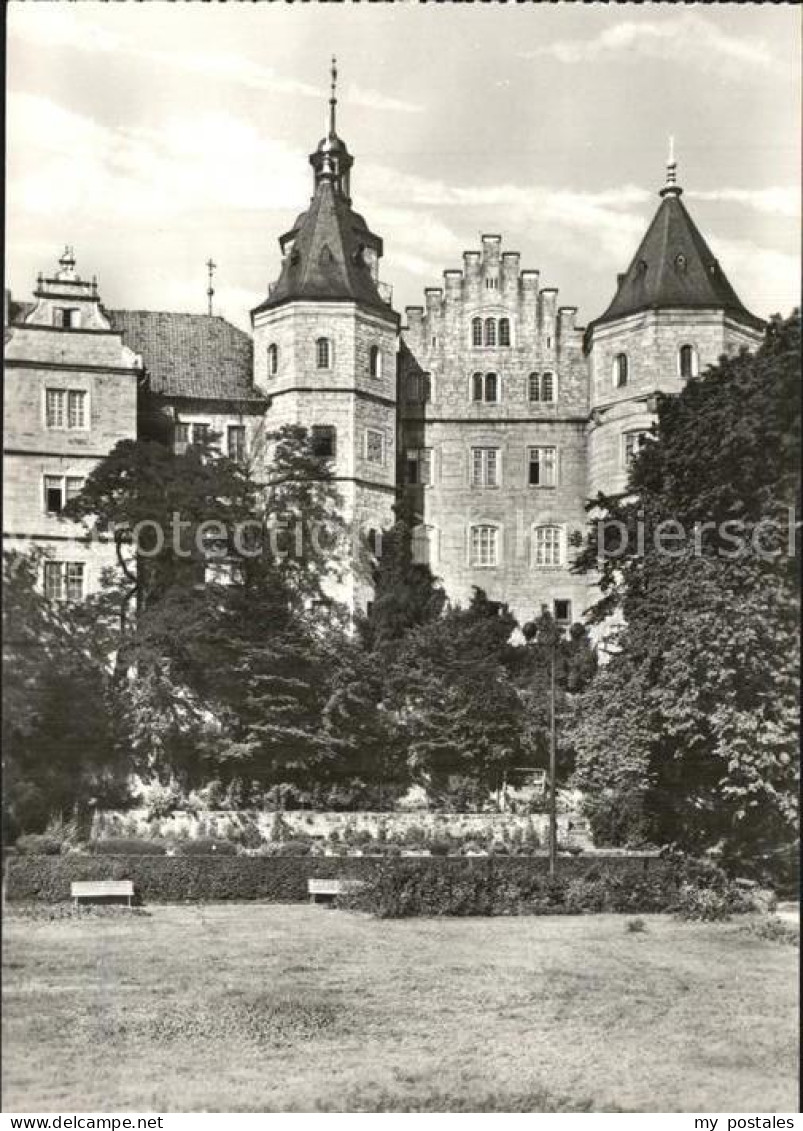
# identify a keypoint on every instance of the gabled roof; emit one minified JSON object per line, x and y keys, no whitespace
{"x":325,"y":260}
{"x":190,"y":355}
{"x":674,"y":268}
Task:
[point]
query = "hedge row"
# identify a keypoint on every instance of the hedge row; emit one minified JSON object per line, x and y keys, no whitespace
{"x":283,"y":879}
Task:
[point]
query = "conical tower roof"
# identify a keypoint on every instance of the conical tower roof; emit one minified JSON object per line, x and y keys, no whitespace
{"x":325,"y":250}
{"x":674,"y":268}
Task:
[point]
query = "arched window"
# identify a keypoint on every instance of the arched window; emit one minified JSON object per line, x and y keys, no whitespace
{"x":548,"y":387}
{"x":323,"y":353}
{"x":375,"y":361}
{"x":688,"y":362}
{"x":476,"y":387}
{"x":483,"y":548}
{"x":476,"y":331}
{"x":534,"y":386}
{"x":273,"y":360}
{"x":504,"y":331}
{"x":547,"y":546}
{"x":490,"y":332}
{"x":491,"y":388}
{"x":620,"y":370}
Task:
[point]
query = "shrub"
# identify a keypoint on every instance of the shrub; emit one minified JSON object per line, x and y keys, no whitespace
{"x":279,"y":829}
{"x":38,"y":844}
{"x":127,"y":846}
{"x":616,"y":818}
{"x":773,"y":930}
{"x":294,"y":848}
{"x":705,"y":904}
{"x":206,"y":846}
{"x":635,"y":926}
{"x":440,"y":847}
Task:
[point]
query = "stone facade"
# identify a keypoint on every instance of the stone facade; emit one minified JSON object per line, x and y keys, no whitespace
{"x":491,"y":413}
{"x":70,"y":396}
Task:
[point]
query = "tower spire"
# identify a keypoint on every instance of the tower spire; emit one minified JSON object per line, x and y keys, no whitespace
{"x":671,"y":187}
{"x":333,"y":101}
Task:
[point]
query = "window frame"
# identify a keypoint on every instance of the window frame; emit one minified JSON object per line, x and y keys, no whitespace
{"x":61,"y":571}
{"x":643,"y":435}
{"x":620,"y":372}
{"x":242,"y":455}
{"x":375,"y":432}
{"x":476,"y":332}
{"x":542,"y":463}
{"x":375,"y":363}
{"x":494,"y":543}
{"x":555,"y":545}
{"x":485,"y":463}
{"x":694,"y":367}
{"x":273,"y":359}
{"x":419,"y":458}
{"x":317,"y":433}
{"x":62,"y":487}
{"x":322,"y":344}
{"x":67,"y":398}
{"x":503,"y":333}
{"x":206,"y":429}
{"x":490,"y":334}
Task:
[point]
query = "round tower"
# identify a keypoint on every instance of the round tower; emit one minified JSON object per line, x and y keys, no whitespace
{"x":673,"y":315}
{"x":325,"y":343}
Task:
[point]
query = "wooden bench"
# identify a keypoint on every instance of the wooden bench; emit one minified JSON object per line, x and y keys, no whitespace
{"x":91,"y":890}
{"x":325,"y":891}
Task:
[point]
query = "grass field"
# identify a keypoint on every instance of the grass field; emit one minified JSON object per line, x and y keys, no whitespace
{"x":296,"y":1008}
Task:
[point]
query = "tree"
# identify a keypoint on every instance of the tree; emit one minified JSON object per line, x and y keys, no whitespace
{"x":223,"y":669}
{"x":59,"y":728}
{"x":694,"y":719}
{"x":450,"y":689}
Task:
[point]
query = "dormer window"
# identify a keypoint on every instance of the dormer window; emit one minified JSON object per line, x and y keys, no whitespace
{"x":688,"y":362}
{"x":66,"y":318}
{"x":323,"y":353}
{"x":620,"y":371}
{"x":680,"y":262}
{"x":273,"y":360}
{"x":375,"y":362}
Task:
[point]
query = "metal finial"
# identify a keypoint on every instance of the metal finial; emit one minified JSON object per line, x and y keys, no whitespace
{"x":671,"y":185}
{"x":333,"y":99}
{"x":210,"y":292}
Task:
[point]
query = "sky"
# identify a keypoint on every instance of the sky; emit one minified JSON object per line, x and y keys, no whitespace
{"x":153,"y":136}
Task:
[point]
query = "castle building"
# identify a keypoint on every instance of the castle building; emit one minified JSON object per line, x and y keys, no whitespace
{"x":490,"y":412}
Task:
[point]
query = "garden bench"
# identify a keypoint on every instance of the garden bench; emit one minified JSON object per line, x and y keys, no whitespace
{"x":325,"y":891}
{"x":101,"y":890}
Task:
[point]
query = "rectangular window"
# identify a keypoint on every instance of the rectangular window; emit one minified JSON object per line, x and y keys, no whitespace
{"x":200,"y":433}
{"x":55,"y":403}
{"x":484,"y":467}
{"x":59,"y":490}
{"x":181,"y":437}
{"x":54,"y":494}
{"x":64,"y":581}
{"x":562,"y":612}
{"x":54,"y":581}
{"x":75,"y":581}
{"x":633,"y":443}
{"x":374,"y":446}
{"x":76,"y":409}
{"x":323,"y":441}
{"x":547,"y":549}
{"x":419,"y":466}
{"x":542,"y":467}
{"x":236,"y":442}
{"x":484,"y":546}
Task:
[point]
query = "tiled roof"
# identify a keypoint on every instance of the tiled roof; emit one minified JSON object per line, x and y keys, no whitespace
{"x":674,"y":267}
{"x":326,"y":259}
{"x":190,"y":355}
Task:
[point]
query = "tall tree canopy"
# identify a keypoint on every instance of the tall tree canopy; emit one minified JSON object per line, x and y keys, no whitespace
{"x":696,"y":714}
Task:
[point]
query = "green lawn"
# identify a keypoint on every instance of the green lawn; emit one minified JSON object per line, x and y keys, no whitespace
{"x":256,"y":1007}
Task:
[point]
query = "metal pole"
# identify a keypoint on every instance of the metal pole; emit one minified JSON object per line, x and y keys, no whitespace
{"x":553,"y":808}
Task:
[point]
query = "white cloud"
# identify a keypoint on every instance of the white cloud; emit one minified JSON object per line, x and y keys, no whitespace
{"x":772,"y":201}
{"x":687,"y":38}
{"x":771,"y":279}
{"x":55,"y":26}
